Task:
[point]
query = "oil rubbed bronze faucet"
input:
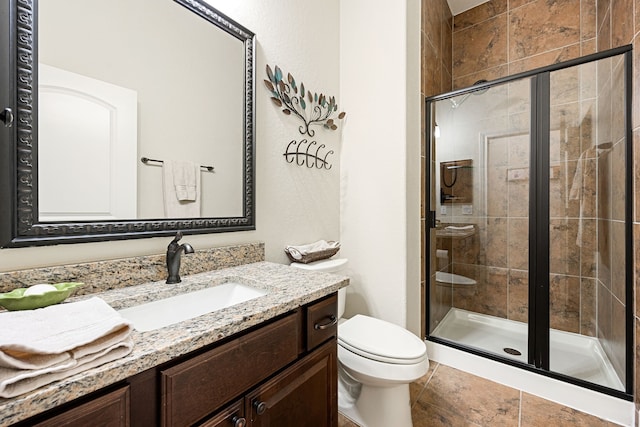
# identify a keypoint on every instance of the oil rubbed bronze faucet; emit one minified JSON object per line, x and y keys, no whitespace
{"x":174,"y":251}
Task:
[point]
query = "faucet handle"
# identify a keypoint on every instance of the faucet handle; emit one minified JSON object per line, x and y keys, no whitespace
{"x":174,"y":242}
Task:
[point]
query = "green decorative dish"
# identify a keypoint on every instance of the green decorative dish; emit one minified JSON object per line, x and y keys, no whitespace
{"x":16,"y":300}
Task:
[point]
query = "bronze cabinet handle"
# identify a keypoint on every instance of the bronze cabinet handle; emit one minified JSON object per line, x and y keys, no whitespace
{"x":332,"y":321}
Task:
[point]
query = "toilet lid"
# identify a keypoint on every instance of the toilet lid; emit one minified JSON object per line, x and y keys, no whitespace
{"x":379,"y":340}
{"x":333,"y":264}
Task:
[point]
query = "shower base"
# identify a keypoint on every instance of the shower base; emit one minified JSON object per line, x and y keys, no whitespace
{"x":571,"y":354}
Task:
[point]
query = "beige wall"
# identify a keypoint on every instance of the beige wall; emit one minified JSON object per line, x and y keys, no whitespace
{"x":380,"y":161}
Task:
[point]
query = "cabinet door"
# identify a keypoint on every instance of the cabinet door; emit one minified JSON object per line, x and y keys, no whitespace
{"x":306,"y":394}
{"x":110,"y":410}
{"x":231,"y":416}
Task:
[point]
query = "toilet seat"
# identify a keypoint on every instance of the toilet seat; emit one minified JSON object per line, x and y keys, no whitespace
{"x":382,"y":374}
{"x":381,"y":341}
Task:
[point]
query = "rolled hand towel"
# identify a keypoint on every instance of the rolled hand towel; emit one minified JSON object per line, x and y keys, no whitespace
{"x":298,"y":252}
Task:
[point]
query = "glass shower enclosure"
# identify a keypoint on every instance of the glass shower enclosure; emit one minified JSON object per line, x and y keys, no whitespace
{"x":529,"y":238}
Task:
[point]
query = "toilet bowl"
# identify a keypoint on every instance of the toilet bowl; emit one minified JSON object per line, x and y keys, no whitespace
{"x":377,"y":360}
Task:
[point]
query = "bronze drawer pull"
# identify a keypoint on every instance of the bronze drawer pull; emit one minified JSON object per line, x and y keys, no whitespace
{"x":332,"y":321}
{"x":261,"y":407}
{"x":239,"y":421}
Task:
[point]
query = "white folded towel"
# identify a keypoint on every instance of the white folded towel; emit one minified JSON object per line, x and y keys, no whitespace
{"x":298,"y":252}
{"x":181,"y":189}
{"x":459,"y":228}
{"x":48,"y":344}
{"x":14,"y":382}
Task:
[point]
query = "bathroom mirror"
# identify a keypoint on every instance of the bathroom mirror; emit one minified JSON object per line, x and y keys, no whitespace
{"x":186,"y":75}
{"x":456,"y":182}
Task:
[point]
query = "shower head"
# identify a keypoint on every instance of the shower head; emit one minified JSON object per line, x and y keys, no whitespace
{"x":455,"y":104}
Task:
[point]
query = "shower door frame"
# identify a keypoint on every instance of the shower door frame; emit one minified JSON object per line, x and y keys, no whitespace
{"x":539,"y":221}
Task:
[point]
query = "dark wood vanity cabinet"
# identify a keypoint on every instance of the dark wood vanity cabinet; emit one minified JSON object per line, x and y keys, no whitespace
{"x":279,"y":374}
{"x":284,"y":374}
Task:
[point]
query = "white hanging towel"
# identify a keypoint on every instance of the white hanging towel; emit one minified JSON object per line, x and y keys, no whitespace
{"x":181,"y":187}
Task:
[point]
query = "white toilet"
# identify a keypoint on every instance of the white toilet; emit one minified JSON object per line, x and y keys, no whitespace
{"x":377,"y":361}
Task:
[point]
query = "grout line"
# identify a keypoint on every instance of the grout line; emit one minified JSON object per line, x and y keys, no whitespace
{"x":432,"y":374}
{"x":520,"y":410}
{"x":426,"y":383}
{"x":580,"y":30}
{"x":508,"y":31}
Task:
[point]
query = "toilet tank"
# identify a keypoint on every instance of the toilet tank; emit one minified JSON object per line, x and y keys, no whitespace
{"x":333,"y":265}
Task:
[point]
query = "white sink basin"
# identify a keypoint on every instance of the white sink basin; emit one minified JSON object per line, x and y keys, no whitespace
{"x":165,"y":312}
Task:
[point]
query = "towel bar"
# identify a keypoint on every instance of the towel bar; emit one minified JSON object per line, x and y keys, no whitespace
{"x":146,"y":160}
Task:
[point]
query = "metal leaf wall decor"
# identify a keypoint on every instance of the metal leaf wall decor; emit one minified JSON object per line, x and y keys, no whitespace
{"x":296,"y":152}
{"x":311,"y":108}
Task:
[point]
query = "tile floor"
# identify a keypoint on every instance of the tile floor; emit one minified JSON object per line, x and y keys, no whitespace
{"x":449,"y":397}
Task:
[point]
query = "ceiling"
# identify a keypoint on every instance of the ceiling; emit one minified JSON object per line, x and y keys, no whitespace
{"x":458,"y":6}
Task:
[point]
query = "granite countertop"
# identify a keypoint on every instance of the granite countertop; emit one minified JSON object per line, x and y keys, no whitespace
{"x":288,"y":288}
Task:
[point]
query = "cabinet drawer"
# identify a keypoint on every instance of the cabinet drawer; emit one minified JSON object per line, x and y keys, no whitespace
{"x":322,"y":321}
{"x":199,"y":386}
{"x":110,"y":410}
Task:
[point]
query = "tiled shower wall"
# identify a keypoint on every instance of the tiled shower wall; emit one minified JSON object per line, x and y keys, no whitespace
{"x":632,"y":29}
{"x":501,"y":38}
{"x":497,"y":39}
{"x":619,"y":24}
{"x":436,"y":33}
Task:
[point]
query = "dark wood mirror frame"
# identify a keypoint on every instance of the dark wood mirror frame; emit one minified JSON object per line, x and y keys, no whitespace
{"x":19,"y":225}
